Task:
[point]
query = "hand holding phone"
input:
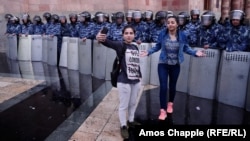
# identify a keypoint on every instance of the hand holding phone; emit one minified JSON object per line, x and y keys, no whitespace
{"x":104,"y":30}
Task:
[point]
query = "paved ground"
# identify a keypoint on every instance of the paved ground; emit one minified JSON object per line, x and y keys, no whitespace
{"x":103,"y":123}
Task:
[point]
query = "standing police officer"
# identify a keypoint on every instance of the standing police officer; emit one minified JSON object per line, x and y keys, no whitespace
{"x":73,"y":25}
{"x":210,"y":32}
{"x":236,"y":35}
{"x":26,"y":26}
{"x":37,"y":25}
{"x":8,"y":24}
{"x":157,"y":26}
{"x":194,"y":27}
{"x":115,"y":34}
{"x":85,"y":26}
{"x":140,"y":26}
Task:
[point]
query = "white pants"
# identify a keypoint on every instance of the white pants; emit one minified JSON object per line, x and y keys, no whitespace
{"x":127,"y":101}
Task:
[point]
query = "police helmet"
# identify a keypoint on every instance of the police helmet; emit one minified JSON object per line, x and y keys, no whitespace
{"x":15,"y":19}
{"x":237,"y":14}
{"x":160,"y":15}
{"x":183,"y":18}
{"x":87,"y":15}
{"x":137,"y":14}
{"x":195,"y":12}
{"x":63,"y":18}
{"x":149,"y":14}
{"x":119,"y":15}
{"x":99,"y":16}
{"x":129,"y":13}
{"x":170,"y":13}
{"x":207,"y":18}
{"x":37,"y":18}
{"x":72,"y":15}
{"x":8,"y":16}
{"x":26,"y":16}
{"x":47,"y":15}
{"x":55,"y":17}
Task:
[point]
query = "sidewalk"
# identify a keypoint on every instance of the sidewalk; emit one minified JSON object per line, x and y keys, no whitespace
{"x":103,"y":123}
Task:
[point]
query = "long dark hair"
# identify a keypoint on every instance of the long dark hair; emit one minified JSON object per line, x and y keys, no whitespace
{"x":128,"y":26}
{"x":177,"y":30}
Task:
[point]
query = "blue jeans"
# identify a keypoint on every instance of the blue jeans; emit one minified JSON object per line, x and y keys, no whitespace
{"x":165,"y":71}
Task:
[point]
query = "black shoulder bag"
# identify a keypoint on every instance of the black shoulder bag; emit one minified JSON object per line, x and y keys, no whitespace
{"x":116,"y":68}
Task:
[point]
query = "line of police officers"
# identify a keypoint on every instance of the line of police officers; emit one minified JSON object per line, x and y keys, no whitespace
{"x":202,"y":30}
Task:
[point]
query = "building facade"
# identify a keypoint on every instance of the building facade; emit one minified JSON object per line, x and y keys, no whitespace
{"x":64,"y":7}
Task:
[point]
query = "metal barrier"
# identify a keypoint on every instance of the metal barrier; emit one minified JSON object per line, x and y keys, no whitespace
{"x":54,"y":77}
{"x":47,"y":74}
{"x":145,"y":64}
{"x":24,"y":48}
{"x":65,"y":76}
{"x":38,"y":70}
{"x":99,"y":60}
{"x":154,"y":59}
{"x":14,"y":68}
{"x":203,"y":74}
{"x":72,"y":58}
{"x":85,"y":56}
{"x":52,"y":50}
{"x":12,"y":47}
{"x":111,"y":54}
{"x":63,"y":62}
{"x":74,"y":83}
{"x":26,"y":69}
{"x":233,"y":77}
{"x":182,"y":82}
{"x":45,"y":49}
{"x":36,"y":48}
{"x":248,"y":93}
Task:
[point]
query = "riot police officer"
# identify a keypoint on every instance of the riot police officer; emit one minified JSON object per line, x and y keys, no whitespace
{"x":210,"y":32}
{"x":100,"y":23}
{"x":73,"y":25}
{"x":8,"y":24}
{"x":47,"y":18}
{"x":141,"y":34}
{"x":183,"y":21}
{"x":236,"y":35}
{"x":26,"y":26}
{"x":157,"y":26}
{"x":129,"y":16}
{"x":85,"y":26}
{"x":194,"y":26}
{"x":15,"y":28}
{"x":37,"y":25}
{"x":115,"y":33}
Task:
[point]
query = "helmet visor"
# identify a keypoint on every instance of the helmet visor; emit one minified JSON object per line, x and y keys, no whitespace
{"x":206,"y":19}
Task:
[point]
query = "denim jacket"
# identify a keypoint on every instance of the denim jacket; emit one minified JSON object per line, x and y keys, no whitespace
{"x":184,"y":47}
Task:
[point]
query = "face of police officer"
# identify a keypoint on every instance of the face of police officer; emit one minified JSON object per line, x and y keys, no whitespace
{"x":62,"y":20}
{"x":194,"y":17}
{"x":235,"y":22}
{"x":119,"y":20}
{"x":172,"y":24}
{"x":129,"y":19}
{"x":128,"y":35}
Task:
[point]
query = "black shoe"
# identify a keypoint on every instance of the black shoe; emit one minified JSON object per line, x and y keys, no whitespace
{"x":124,"y":132}
{"x":133,"y":124}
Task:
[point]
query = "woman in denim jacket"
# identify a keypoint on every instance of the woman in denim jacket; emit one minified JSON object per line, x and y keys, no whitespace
{"x":172,"y":44}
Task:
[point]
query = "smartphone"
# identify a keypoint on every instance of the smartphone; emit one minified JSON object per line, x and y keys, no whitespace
{"x":104,"y":30}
